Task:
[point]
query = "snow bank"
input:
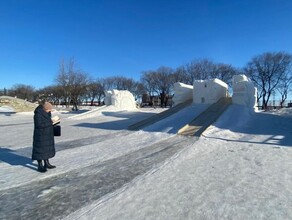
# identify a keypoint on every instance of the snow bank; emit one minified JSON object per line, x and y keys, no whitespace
{"x":6,"y":109}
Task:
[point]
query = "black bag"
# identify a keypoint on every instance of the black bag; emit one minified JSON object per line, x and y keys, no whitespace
{"x":57,"y":130}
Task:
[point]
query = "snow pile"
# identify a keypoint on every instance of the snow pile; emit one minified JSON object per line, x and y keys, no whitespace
{"x":7,"y":109}
{"x":286,"y":112}
{"x":244,"y":92}
{"x":16,"y":105}
{"x":120,"y":99}
{"x":182,"y":92}
{"x":209,"y":91}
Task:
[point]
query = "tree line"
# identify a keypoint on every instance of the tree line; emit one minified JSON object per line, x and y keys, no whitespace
{"x":270,"y":72}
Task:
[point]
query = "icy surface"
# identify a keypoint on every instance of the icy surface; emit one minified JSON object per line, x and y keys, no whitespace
{"x":240,"y":168}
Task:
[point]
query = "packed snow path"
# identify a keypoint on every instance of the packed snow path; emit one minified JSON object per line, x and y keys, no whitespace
{"x":62,"y":194}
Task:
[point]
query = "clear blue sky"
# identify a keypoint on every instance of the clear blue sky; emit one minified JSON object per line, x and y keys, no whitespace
{"x":126,"y":37}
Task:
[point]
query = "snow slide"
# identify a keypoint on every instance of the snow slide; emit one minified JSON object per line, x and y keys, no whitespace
{"x":155,"y":118}
{"x":199,"y":124}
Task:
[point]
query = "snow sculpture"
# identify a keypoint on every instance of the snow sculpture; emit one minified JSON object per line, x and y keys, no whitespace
{"x":182,"y":93}
{"x":244,"y":92}
{"x":120,"y":99}
{"x":209,"y":91}
{"x":107,"y":98}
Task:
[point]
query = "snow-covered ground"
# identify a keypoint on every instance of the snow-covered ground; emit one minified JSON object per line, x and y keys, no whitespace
{"x":240,"y":168}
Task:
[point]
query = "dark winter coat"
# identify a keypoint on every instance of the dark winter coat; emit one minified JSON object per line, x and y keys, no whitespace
{"x":43,"y":136}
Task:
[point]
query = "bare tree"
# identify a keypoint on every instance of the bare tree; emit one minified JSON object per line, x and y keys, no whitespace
{"x":284,"y":86}
{"x":22,"y":91}
{"x":266,"y":71}
{"x":148,"y":81}
{"x":224,"y":72}
{"x":159,"y":81}
{"x":124,"y":83}
{"x":73,"y":81}
{"x":95,"y":90}
{"x":119,"y":83}
{"x":62,"y":80}
{"x":78,"y":84}
{"x":50,"y":93}
{"x":200,"y":70}
{"x":181,"y":75}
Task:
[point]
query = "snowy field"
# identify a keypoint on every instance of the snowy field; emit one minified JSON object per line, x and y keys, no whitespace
{"x":240,"y":168}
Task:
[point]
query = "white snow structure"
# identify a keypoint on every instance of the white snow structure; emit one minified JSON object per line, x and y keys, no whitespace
{"x":244,"y":92}
{"x":182,"y":93}
{"x":107,"y":98}
{"x":209,"y":91}
{"x":120,"y":99}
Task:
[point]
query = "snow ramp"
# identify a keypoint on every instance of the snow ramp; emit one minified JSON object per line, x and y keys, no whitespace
{"x":199,"y":124}
{"x":148,"y":121}
{"x":91,"y":113}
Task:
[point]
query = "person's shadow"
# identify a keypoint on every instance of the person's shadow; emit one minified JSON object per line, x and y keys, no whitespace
{"x":11,"y":157}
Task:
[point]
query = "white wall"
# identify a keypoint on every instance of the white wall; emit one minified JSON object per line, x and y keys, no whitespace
{"x":209,"y":91}
{"x":182,"y":93}
{"x":244,"y":92}
{"x":107,"y":98}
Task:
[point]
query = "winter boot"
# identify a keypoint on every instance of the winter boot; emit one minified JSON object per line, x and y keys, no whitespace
{"x":48,"y":165}
{"x":41,"y":168}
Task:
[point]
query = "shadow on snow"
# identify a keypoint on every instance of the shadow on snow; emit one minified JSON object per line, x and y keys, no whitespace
{"x":126,"y":118}
{"x":11,"y":157}
{"x":277,"y":129}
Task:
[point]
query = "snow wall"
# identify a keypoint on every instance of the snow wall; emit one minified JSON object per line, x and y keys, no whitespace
{"x":209,"y":91}
{"x":107,"y":98}
{"x":182,"y":93}
{"x":244,"y":92}
{"x":120,"y":99}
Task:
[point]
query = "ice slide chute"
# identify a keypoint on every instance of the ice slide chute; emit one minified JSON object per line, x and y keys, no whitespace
{"x":197,"y":126}
{"x":148,"y":121}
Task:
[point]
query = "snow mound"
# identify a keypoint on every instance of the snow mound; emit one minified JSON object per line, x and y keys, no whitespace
{"x":285,"y":112}
{"x":6,"y":109}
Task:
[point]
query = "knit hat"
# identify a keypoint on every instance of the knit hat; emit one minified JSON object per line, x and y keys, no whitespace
{"x":47,"y":106}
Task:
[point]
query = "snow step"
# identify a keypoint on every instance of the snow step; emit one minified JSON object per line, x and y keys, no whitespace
{"x":198,"y":125}
{"x":148,"y":121}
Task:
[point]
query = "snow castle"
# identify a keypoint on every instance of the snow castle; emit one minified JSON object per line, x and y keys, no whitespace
{"x":211,"y":90}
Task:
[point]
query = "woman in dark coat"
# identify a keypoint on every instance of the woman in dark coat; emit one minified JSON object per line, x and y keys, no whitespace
{"x":43,"y":137}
